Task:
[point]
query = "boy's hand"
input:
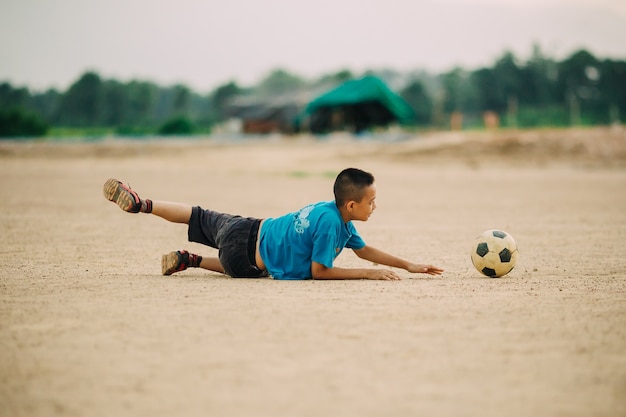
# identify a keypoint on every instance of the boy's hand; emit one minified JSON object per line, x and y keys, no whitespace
{"x":383,"y":274}
{"x":425,"y":269}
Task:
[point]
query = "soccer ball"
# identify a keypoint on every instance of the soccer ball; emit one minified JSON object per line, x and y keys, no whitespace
{"x":494,"y":253}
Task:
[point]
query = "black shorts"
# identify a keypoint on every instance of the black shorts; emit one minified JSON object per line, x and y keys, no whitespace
{"x":233,"y":236}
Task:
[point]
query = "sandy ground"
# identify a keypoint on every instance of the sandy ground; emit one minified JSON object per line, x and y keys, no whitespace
{"x":89,"y":327}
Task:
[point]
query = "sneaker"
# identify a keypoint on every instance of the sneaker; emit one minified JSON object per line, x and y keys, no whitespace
{"x":122,"y":195}
{"x":174,"y":262}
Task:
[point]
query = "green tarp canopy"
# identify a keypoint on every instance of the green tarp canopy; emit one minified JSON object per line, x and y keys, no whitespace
{"x":366,"y":101}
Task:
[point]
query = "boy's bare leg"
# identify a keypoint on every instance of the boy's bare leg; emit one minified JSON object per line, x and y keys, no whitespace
{"x":170,"y":211}
{"x":212,"y":264}
{"x":128,"y":200}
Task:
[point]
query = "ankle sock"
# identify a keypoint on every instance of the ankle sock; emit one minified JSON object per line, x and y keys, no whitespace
{"x":146,"y":206}
{"x":194,"y":260}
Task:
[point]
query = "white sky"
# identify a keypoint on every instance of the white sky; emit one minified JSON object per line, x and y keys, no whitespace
{"x":205,"y":43}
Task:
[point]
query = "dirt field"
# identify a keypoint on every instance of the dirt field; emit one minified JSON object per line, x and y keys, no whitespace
{"x":89,"y":327}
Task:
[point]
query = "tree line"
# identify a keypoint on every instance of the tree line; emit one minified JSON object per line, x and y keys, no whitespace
{"x":578,"y":90}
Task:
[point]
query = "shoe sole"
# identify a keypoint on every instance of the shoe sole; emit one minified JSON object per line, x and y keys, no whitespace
{"x":113,"y":191}
{"x":169,"y":263}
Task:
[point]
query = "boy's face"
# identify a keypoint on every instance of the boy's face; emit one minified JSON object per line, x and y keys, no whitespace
{"x":363,"y":209}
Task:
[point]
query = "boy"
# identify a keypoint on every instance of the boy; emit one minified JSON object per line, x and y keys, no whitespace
{"x":299,"y":245}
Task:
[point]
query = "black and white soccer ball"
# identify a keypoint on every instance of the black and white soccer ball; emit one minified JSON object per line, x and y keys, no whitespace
{"x":494,"y":253}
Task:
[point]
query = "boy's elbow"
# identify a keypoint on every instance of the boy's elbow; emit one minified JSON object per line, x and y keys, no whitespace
{"x":319,"y":271}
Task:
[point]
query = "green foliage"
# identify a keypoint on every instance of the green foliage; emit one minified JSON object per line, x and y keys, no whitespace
{"x":20,"y":123}
{"x":420,"y":101}
{"x":493,"y":88}
{"x":142,"y":101}
{"x":459,"y":93}
{"x":177,"y":126}
{"x":579,"y":90}
{"x":335,"y":78}
{"x":133,"y":130}
{"x":552,"y":116}
{"x":181,"y":99}
{"x":78,"y":133}
{"x":278,"y":82}
{"x":13,"y":97}
{"x":221,"y":98}
{"x":81,"y":105}
{"x":115,"y":104}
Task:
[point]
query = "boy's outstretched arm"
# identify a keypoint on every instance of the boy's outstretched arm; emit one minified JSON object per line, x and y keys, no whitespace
{"x":380,"y":257}
{"x":319,"y":271}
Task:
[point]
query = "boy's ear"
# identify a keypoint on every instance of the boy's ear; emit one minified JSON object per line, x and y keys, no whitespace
{"x":350,"y":205}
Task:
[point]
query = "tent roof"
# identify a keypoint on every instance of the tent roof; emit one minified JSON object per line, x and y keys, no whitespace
{"x":365,"y":89}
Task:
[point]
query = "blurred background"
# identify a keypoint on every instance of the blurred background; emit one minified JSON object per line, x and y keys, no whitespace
{"x":140,"y":68}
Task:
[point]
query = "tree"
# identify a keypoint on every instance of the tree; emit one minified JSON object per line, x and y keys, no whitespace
{"x":507,"y":73}
{"x":278,"y":82}
{"x":335,"y":78}
{"x":46,"y":104}
{"x":612,"y":87}
{"x":538,"y":81}
{"x":418,"y":98}
{"x":19,"y":123}
{"x":578,"y":81}
{"x":182,"y":99}
{"x":11,"y":98}
{"x":458,"y":92}
{"x":178,"y":125}
{"x":489,"y":97}
{"x":114,"y":104}
{"x":220,"y":98}
{"x":497,"y":87}
{"x":81,"y":104}
{"x":141,"y":102}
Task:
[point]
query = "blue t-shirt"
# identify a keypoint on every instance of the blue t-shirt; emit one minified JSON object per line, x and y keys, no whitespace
{"x":315,"y":233}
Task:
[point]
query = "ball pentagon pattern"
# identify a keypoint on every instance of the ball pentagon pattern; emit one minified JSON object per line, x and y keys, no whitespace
{"x":494,"y":253}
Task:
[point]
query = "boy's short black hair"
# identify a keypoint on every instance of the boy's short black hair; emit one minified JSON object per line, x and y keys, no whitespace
{"x":350,"y":185}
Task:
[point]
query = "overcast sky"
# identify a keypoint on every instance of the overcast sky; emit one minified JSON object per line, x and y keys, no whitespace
{"x":206,"y":43}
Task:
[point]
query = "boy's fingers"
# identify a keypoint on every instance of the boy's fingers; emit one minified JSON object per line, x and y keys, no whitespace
{"x":391,"y":275}
{"x":432,"y":270}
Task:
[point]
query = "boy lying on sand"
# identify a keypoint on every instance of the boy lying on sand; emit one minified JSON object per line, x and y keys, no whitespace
{"x":299,"y":245}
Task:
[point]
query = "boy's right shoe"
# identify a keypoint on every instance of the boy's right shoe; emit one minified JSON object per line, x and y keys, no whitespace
{"x":122,"y":195}
{"x":174,"y":262}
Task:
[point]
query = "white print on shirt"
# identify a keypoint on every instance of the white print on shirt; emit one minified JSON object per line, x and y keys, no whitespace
{"x":301,"y":222}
